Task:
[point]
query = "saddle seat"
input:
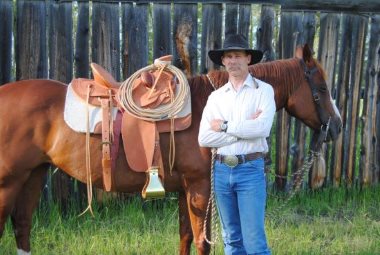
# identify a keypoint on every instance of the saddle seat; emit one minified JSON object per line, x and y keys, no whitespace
{"x":102,"y":86}
{"x":103,"y":77}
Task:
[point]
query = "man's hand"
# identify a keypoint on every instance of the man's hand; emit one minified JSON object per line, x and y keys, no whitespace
{"x":215,"y":125}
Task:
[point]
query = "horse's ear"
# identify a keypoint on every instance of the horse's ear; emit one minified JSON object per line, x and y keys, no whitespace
{"x":299,"y":52}
{"x":307,"y":54}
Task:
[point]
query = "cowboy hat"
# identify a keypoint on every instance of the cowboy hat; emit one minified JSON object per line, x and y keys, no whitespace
{"x":235,"y":42}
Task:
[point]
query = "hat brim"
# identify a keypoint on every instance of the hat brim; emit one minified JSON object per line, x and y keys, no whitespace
{"x":216,"y":55}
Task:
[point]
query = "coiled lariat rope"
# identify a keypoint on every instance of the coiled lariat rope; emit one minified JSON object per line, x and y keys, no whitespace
{"x":162,"y":112}
{"x":166,"y":111}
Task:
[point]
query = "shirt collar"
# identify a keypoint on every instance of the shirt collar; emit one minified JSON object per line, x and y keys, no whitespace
{"x":247,"y":83}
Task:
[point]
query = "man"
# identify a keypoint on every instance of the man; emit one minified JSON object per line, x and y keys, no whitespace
{"x":236,"y":120}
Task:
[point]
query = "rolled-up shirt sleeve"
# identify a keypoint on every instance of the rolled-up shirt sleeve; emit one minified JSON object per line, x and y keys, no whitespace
{"x":208,"y":137}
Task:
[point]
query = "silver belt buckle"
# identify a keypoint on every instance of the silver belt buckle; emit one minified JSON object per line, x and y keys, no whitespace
{"x":231,"y":160}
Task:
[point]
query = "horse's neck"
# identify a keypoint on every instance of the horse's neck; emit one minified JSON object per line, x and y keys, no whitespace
{"x":280,"y":74}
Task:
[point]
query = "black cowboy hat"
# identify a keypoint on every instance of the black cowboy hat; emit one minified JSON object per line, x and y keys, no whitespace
{"x":235,"y":42}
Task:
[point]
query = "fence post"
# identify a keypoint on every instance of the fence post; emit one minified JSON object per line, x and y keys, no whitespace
{"x":369,"y":170}
{"x":31,"y":57}
{"x":6,"y":27}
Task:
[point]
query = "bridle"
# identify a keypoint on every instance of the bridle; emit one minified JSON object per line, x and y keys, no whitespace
{"x":323,"y":131}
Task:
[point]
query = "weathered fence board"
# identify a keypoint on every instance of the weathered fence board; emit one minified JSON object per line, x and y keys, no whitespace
{"x":135,"y":36}
{"x":61,"y":69}
{"x":60,"y":42}
{"x":237,"y":19}
{"x":211,"y":34}
{"x":265,"y":32}
{"x":368,"y":167}
{"x":290,"y":28}
{"x":105,"y":37}
{"x":327,"y":5}
{"x":6,"y":27}
{"x":341,"y":97}
{"x":185,"y":30}
{"x":327,"y":55}
{"x":82,"y":44}
{"x":162,"y":37}
{"x":356,"y":26}
{"x":31,"y":58}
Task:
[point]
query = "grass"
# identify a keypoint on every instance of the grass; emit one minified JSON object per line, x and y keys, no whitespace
{"x":330,"y":221}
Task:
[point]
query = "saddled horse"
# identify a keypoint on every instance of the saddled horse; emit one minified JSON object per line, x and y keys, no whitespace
{"x":33,"y":134}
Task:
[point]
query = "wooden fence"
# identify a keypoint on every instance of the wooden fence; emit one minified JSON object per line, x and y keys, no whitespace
{"x":58,"y":40}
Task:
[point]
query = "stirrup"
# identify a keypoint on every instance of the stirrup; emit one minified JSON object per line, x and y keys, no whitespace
{"x":153,"y":187}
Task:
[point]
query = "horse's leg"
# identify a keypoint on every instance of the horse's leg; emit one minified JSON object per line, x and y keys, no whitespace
{"x":10,"y":187}
{"x":197,"y":194}
{"x":185,"y":232}
{"x":26,"y":202}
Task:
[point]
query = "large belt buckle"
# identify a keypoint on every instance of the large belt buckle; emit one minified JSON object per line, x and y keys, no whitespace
{"x":231,"y":160}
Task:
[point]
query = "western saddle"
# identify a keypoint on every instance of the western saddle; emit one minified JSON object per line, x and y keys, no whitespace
{"x":150,"y":90}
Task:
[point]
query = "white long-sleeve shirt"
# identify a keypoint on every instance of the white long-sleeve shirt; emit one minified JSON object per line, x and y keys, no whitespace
{"x":244,"y":134}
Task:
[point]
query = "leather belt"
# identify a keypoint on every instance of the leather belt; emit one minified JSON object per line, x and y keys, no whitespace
{"x":234,"y":160}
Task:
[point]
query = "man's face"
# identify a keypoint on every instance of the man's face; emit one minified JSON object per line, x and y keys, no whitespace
{"x":236,"y":62}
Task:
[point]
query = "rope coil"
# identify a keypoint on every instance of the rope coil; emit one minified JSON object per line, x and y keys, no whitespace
{"x":161,"y":112}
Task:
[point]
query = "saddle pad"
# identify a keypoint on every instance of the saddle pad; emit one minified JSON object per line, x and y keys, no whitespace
{"x":75,"y":113}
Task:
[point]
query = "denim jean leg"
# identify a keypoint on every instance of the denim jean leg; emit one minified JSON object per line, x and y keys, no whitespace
{"x":251,"y":195}
{"x":226,"y":201}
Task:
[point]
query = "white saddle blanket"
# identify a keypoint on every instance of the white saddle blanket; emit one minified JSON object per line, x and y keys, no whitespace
{"x":75,"y":113}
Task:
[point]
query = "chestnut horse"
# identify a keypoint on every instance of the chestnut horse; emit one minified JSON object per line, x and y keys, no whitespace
{"x":33,"y":134}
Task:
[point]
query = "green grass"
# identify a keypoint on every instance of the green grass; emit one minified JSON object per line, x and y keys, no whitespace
{"x":331,"y":221}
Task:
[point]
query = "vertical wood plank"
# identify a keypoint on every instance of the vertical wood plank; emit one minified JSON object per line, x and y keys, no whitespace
{"x":61,"y":68}
{"x":368,"y":168}
{"x":31,"y":58}
{"x":185,"y":29}
{"x":340,"y":162}
{"x":265,"y":32}
{"x":135,"y":37}
{"x":127,"y":18}
{"x":327,"y":55}
{"x":231,"y":19}
{"x":359,"y":25}
{"x":290,"y":31}
{"x":105,"y":36}
{"x":6,"y":27}
{"x":211,"y":34}
{"x":60,"y":42}
{"x":264,"y":36}
{"x":237,"y":19}
{"x":162,"y":38}
{"x":82,"y":45}
{"x":244,"y":19}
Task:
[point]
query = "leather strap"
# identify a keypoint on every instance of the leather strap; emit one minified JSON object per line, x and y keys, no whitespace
{"x":106,"y":142}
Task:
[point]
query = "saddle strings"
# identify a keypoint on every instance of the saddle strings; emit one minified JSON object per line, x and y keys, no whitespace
{"x":88,"y":157}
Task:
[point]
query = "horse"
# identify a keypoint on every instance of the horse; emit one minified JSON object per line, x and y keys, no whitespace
{"x":33,"y":135}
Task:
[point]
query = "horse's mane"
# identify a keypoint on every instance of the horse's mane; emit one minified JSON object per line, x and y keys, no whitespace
{"x":284,"y":75}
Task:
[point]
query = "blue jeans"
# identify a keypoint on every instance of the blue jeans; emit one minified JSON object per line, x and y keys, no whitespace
{"x":241,"y":196}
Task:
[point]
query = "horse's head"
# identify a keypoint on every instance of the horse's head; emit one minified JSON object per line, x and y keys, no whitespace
{"x":323,"y":116}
